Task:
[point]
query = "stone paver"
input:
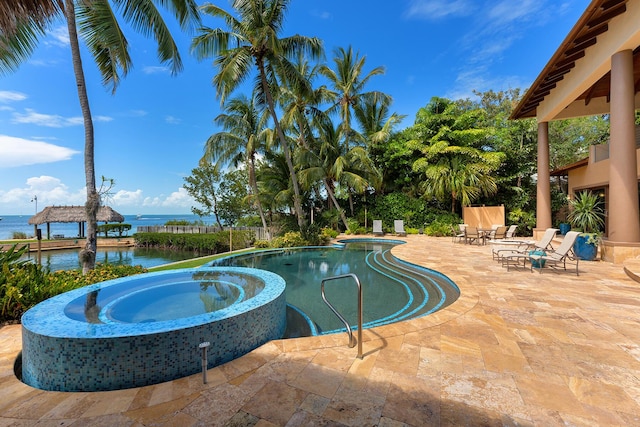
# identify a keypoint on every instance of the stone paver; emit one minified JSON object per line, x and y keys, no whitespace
{"x":517,"y":348}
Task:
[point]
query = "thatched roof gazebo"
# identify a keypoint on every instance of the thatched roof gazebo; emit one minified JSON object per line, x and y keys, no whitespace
{"x":73,"y":214}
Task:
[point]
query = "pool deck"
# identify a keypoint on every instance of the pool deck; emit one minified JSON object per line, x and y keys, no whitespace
{"x":517,"y":348}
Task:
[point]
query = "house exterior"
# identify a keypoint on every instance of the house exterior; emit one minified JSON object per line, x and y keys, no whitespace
{"x":596,"y":70}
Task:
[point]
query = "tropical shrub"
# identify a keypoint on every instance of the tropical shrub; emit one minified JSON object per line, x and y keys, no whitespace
{"x":525,"y":221}
{"x":438,"y":228}
{"x":24,"y":284}
{"x":261,"y":244}
{"x":586,"y":213}
{"x":211,"y":243}
{"x":289,"y":240}
{"x":18,"y":235}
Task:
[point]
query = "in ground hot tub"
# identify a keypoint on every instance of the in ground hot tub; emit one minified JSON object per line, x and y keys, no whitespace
{"x":146,"y":329}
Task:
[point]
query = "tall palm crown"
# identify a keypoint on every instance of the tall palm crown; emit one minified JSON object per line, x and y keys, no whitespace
{"x":95,"y":22}
{"x":348,"y":82}
{"x":98,"y":25}
{"x":245,"y":135}
{"x":253,"y":40}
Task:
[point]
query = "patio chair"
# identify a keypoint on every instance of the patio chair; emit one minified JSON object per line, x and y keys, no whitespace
{"x":513,"y":256}
{"x":377,"y":227}
{"x":473,"y":235}
{"x":511,"y":232}
{"x":457,"y":235}
{"x":398,"y":226}
{"x":559,"y":256}
{"x":499,"y":233}
{"x":492,"y":233}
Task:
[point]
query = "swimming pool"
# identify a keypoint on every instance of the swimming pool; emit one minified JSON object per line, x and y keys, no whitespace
{"x":144,"y":329}
{"x":393,"y":290}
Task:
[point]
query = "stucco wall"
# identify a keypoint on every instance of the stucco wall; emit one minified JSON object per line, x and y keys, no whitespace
{"x":483,"y":216}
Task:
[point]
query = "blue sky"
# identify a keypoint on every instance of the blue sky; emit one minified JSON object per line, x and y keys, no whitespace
{"x":151,"y":133}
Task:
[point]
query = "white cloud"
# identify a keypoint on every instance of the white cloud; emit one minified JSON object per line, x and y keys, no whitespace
{"x":321,"y":14}
{"x":155,"y":69}
{"x":172,"y":120}
{"x":51,"y":120}
{"x":504,"y":12}
{"x":127,"y":198}
{"x":58,"y":36}
{"x":438,"y":9}
{"x":47,"y":189}
{"x":177,"y":199}
{"x":11,"y":96}
{"x":16,"y":152}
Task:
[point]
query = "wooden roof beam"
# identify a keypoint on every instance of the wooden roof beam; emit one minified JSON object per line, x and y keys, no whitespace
{"x":581,"y":46}
{"x":593,"y":32}
{"x":608,"y":15}
{"x":570,"y":59}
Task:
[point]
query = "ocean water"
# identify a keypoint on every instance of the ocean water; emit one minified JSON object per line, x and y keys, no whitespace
{"x":68,"y":259}
{"x":12,"y":223}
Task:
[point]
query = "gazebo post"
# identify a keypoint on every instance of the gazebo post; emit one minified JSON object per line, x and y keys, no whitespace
{"x":48,"y":231}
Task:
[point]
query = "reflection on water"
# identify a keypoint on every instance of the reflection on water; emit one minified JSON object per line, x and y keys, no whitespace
{"x":67,"y":259}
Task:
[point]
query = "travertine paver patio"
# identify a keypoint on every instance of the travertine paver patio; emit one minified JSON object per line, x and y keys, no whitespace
{"x":518,"y":348}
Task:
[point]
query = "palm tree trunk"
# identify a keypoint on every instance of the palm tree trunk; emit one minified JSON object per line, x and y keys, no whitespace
{"x":88,"y":254}
{"x":287,"y":152}
{"x":332,"y":196}
{"x":254,"y":186}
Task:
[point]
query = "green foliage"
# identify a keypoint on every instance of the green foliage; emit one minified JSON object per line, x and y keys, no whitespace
{"x":261,"y":244}
{"x":18,"y":235}
{"x":525,"y":221}
{"x":586,"y":213}
{"x":25,"y":284}
{"x":440,"y":227}
{"x":211,"y":243}
{"x":233,"y":192}
{"x":202,"y":186}
{"x":330,"y":233}
{"x":353,"y":226}
{"x":415,"y":212}
{"x":289,"y":240}
{"x":116,"y":228}
{"x":11,"y":257}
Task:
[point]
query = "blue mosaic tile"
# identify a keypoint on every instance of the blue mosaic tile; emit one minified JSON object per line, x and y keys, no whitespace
{"x":61,"y":353}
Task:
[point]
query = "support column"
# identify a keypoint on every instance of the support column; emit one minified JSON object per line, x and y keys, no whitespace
{"x":543,"y":203}
{"x":624,"y":219}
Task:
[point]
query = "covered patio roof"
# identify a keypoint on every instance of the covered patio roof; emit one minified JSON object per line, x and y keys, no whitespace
{"x":577,"y":79}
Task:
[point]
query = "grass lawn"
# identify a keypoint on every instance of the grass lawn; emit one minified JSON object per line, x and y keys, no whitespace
{"x":196,"y":262}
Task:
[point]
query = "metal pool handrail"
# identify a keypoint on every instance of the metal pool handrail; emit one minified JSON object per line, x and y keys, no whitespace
{"x":352,"y":341}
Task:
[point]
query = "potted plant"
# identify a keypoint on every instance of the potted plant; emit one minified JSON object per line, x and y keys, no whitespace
{"x":586,"y":215}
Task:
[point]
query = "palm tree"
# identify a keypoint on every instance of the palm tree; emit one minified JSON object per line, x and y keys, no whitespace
{"x":458,"y":173}
{"x":244,"y":137}
{"x":348,"y":83}
{"x":330,"y":164}
{"x":273,"y":181}
{"x":96,"y":22}
{"x":253,"y":39}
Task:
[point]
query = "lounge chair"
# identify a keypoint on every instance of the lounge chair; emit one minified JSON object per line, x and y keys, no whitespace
{"x":377,"y":227}
{"x":514,"y":256}
{"x":559,"y":256}
{"x":511,"y":231}
{"x":398,"y":226}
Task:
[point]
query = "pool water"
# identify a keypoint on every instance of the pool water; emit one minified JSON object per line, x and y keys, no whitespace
{"x":392,"y":290}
